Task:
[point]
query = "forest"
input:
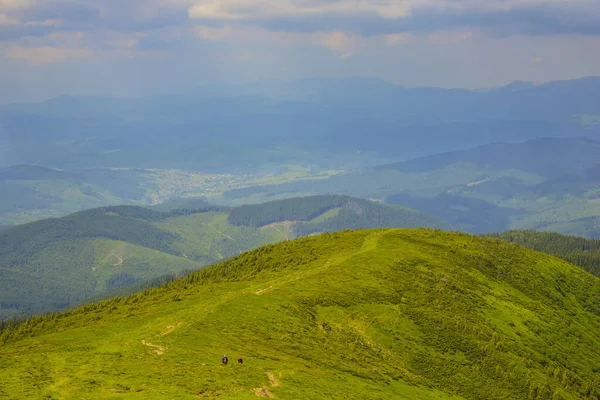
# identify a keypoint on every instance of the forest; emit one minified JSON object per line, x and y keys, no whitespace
{"x":364,"y":214}
{"x":580,"y":251}
{"x":308,"y":212}
{"x":295,"y":209}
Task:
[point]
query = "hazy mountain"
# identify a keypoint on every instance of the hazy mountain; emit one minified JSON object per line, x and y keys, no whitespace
{"x":277,"y":123}
{"x":546,"y":157}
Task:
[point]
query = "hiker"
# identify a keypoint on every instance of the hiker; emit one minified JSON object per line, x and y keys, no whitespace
{"x":240,"y":360}
{"x":224,"y":360}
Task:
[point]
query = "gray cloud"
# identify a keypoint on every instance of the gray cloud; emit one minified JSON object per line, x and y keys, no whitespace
{"x":498,"y":17}
{"x":535,"y":19}
{"x":88,"y":15}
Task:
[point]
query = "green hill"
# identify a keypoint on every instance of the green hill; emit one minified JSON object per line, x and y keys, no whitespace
{"x":405,"y":314}
{"x":51,"y":264}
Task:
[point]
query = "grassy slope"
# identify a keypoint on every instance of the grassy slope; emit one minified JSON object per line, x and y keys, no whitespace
{"x":114,"y":257}
{"x":209,"y":238}
{"x":407,"y":314}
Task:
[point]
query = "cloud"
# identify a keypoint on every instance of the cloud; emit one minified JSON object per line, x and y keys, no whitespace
{"x":209,"y":33}
{"x":449,"y":37}
{"x":14,"y":4}
{"x":46,"y":54}
{"x":248,"y":9}
{"x":377,"y":17}
{"x":395,"y":38}
{"x":46,"y":22}
{"x":341,"y":43}
{"x":6,"y":20}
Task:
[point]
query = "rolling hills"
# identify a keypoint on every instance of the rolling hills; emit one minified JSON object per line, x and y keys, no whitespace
{"x":31,"y":193}
{"x":406,"y":314}
{"x":106,"y":151}
{"x":544,"y":184}
{"x":51,"y":264}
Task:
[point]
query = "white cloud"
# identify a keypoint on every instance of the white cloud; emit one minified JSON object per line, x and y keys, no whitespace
{"x":117,"y":39}
{"x":248,"y":9}
{"x":395,"y":38}
{"x":387,"y":9}
{"x":209,"y":33}
{"x":46,"y":22}
{"x":15,"y":4}
{"x":450,"y":36}
{"x":7,"y":20}
{"x":341,"y":43}
{"x":46,"y":54}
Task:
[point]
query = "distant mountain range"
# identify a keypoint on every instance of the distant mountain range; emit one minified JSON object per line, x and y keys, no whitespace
{"x":322,"y":122}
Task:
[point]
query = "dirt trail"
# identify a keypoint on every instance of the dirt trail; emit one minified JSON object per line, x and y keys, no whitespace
{"x":281,"y":233}
{"x":370,"y":243}
{"x":261,"y":291}
{"x":273,"y":380}
{"x":263,"y":391}
{"x":276,"y":225}
{"x":220,"y":233}
{"x":170,"y":328}
{"x":156,"y":348}
{"x":120,"y":262}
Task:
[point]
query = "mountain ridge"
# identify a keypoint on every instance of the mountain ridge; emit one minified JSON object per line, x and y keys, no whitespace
{"x":361,"y":314}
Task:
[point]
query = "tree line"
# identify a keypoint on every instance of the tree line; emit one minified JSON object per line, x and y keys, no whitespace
{"x":580,"y":251}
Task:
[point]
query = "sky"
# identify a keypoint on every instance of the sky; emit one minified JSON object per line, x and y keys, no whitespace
{"x":146,"y":47}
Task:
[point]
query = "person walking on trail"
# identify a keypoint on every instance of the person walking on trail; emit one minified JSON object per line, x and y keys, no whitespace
{"x":224,"y":360}
{"x":240,"y":360}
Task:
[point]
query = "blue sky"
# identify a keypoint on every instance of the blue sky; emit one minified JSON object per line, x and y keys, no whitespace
{"x":139,"y":47}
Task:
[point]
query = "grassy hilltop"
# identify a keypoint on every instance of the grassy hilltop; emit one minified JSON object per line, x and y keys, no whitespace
{"x":379,"y":314}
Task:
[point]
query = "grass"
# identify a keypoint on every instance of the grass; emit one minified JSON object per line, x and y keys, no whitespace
{"x":406,"y":314}
{"x":209,"y":238}
{"x":334,"y":212}
{"x":114,"y":257}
